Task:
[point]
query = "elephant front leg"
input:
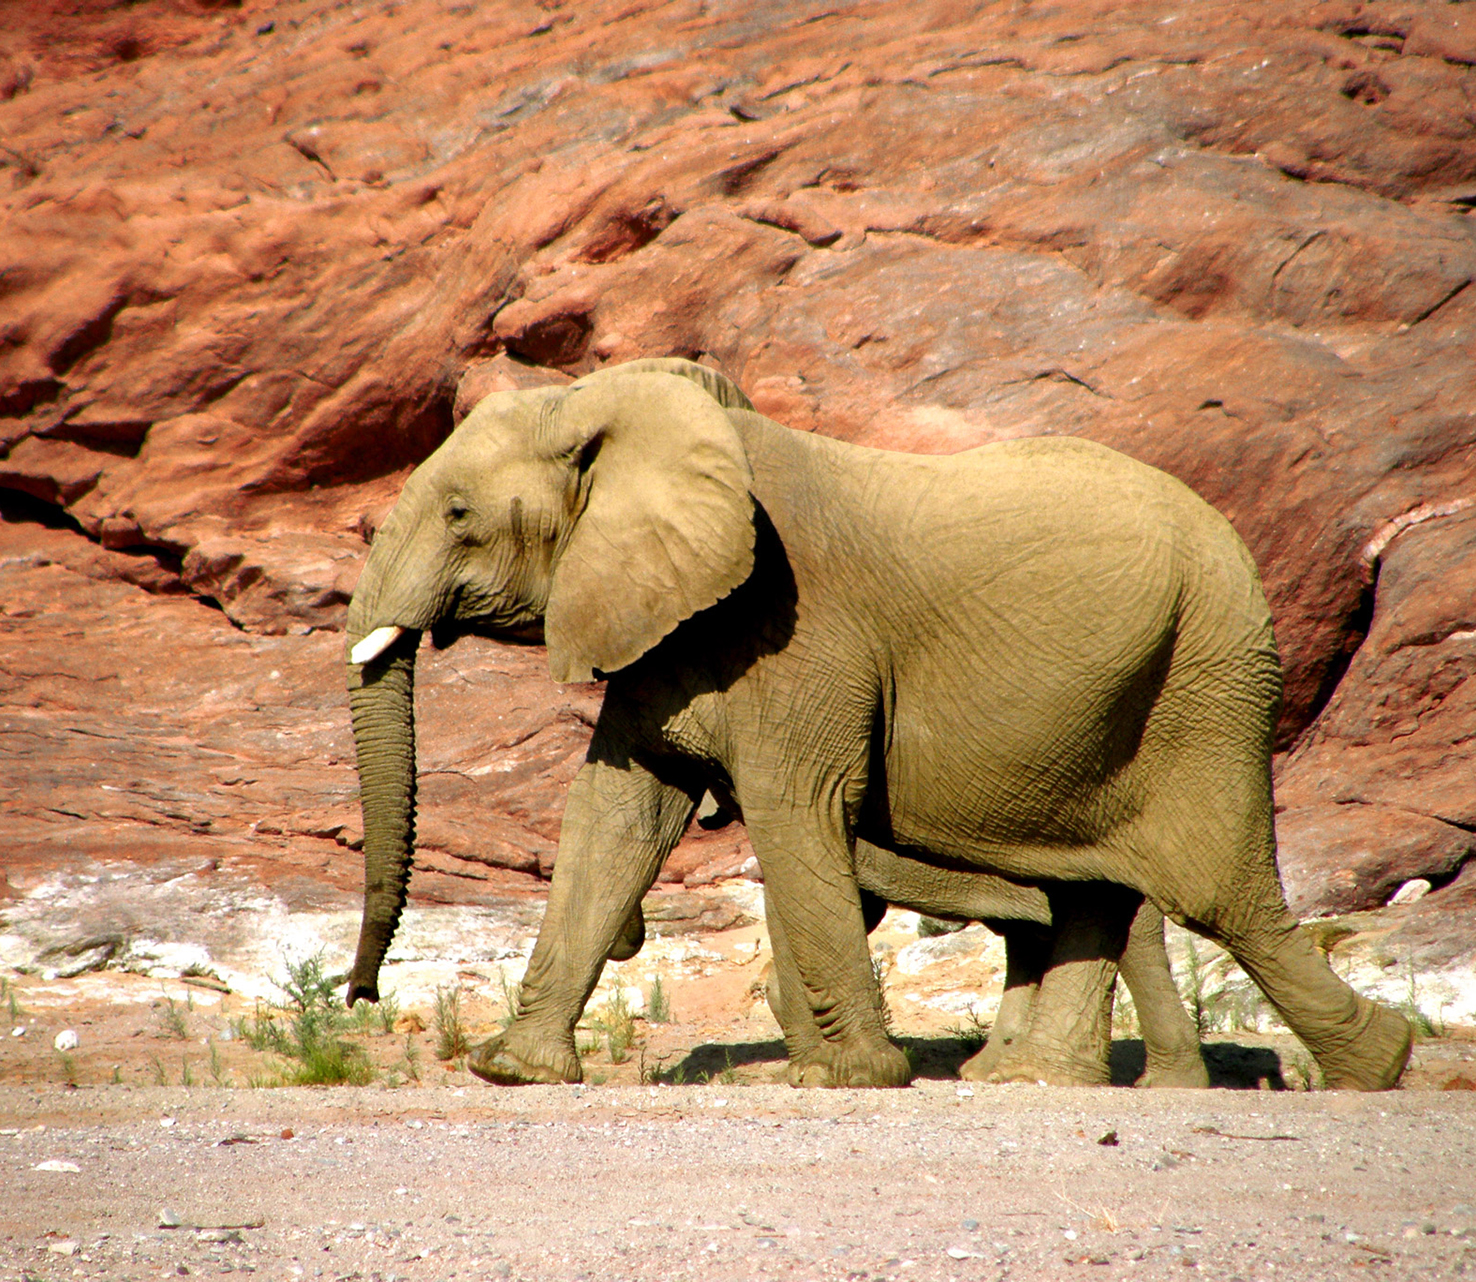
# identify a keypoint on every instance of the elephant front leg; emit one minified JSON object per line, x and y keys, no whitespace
{"x":620,"y":823}
{"x":785,"y":990}
{"x":1070,"y":1037}
{"x":830,"y":1004}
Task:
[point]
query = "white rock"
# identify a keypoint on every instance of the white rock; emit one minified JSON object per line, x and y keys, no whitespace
{"x":66,"y":1168}
{"x":1411,"y":892}
{"x":18,"y":1031}
{"x":66,"y":1040}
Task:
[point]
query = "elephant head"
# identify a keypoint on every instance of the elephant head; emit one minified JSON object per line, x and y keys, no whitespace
{"x":603,"y":513}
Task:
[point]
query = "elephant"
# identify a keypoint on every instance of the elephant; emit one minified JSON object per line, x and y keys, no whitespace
{"x":1038,"y":658}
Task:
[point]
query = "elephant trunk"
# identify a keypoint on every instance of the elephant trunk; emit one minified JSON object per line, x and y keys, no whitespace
{"x":382,"y":703}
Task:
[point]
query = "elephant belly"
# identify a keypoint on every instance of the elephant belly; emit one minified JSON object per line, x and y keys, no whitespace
{"x":1027,"y":772}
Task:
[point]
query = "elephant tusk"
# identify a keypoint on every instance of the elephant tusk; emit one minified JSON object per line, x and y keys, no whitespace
{"x":375,"y":644}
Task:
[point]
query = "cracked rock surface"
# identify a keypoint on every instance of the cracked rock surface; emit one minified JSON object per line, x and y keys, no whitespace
{"x":258,"y":259}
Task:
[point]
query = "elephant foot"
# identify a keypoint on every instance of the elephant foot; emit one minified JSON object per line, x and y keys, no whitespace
{"x":1373,"y":1059}
{"x":980,"y":1065}
{"x":1183,"y":1072}
{"x":538,"y":1063}
{"x":1034,"y":1065}
{"x":869,"y":1065}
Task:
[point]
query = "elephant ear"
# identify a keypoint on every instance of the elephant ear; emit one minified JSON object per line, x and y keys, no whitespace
{"x":666,"y":527}
{"x":717,"y":385}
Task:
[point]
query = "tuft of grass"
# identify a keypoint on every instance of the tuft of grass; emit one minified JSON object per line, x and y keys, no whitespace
{"x":512,"y":997}
{"x":973,"y":1033}
{"x":332,"y":1062}
{"x":262,"y":1032}
{"x":1101,"y":1218}
{"x":7,"y":991}
{"x":617,"y":1022}
{"x":1302,"y":1073}
{"x":363,"y":1017}
{"x":388,"y":1011}
{"x":305,"y":1030}
{"x":658,"y":1004}
{"x":451,"y":1038}
{"x":879,"y":976}
{"x":161,"y":1078}
{"x":729,"y":1075}
{"x":68,"y":1068}
{"x":1226,"y":1004}
{"x":651,"y":1075}
{"x":172,"y":1020}
{"x":186,"y":1077}
{"x":1425,"y":1024}
{"x":1192,"y":988}
{"x":411,"y":1060}
{"x":117,"y":1079}
{"x":217,"y":1066}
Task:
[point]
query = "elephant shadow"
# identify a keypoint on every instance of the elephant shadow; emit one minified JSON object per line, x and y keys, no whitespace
{"x":1231,"y":1066}
{"x":708,"y":1062}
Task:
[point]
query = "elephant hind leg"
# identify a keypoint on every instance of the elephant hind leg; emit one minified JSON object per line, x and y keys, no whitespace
{"x":1070,"y":1037}
{"x":1170,"y":1037}
{"x":1027,"y":954}
{"x":1206,"y":852}
{"x":1359,"y":1044}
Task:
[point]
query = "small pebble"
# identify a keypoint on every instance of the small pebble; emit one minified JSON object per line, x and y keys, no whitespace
{"x":66,"y":1040}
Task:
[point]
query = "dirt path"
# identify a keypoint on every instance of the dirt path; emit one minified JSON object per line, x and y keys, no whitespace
{"x":720,"y":1182}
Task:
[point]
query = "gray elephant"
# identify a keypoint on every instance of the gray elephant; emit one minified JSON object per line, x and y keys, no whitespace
{"x":1038,"y":658}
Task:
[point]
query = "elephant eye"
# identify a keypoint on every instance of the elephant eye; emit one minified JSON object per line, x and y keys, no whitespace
{"x":456,"y":510}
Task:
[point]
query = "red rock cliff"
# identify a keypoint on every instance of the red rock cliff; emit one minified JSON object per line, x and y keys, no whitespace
{"x":257,"y":257}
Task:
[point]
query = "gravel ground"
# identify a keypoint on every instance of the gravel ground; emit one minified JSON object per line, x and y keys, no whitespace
{"x":725,"y":1182}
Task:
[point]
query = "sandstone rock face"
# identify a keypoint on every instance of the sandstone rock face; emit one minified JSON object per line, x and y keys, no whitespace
{"x":260,"y":257}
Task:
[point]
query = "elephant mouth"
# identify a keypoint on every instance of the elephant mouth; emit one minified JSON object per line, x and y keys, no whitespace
{"x":446,"y":634}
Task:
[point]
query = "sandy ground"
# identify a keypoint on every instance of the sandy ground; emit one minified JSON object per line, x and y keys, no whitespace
{"x":164,"y":1144}
{"x":720,"y":1181}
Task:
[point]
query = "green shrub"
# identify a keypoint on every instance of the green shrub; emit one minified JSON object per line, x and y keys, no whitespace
{"x":451,"y":1038}
{"x":658,"y":1004}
